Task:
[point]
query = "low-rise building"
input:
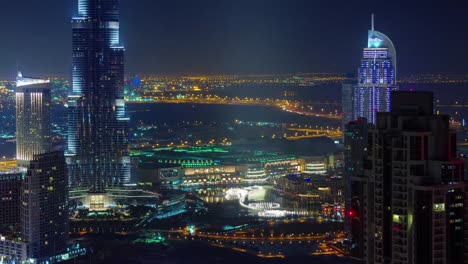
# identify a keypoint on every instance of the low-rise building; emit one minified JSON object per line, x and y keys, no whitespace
{"x":312,"y":187}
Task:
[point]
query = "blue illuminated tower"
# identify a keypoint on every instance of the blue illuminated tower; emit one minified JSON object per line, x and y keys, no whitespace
{"x":97,"y":154}
{"x":377,"y":77}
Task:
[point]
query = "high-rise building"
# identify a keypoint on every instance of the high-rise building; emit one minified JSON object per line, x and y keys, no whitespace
{"x":33,"y":126}
{"x":347,"y":103}
{"x":408,"y":203}
{"x":34,"y":213}
{"x":44,"y":205}
{"x":97,"y":154}
{"x":10,"y":187}
{"x":355,"y":143}
{"x":377,"y":76}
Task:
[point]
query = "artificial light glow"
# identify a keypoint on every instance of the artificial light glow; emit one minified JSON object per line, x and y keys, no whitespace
{"x":374,"y":42}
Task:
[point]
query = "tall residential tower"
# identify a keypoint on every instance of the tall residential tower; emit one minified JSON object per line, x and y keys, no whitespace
{"x":408,"y":203}
{"x":97,"y":154}
{"x":355,"y":143}
{"x":376,"y":76}
{"x":44,"y":206}
{"x":33,"y":127}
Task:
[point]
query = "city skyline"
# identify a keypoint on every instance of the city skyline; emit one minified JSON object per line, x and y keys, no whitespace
{"x":266,"y":131}
{"x":214,"y":37}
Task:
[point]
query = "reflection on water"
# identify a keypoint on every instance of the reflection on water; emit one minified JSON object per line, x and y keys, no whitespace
{"x":211,"y":195}
{"x":217,"y":195}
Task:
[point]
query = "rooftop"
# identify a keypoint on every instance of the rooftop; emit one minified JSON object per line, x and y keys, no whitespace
{"x":25,"y":81}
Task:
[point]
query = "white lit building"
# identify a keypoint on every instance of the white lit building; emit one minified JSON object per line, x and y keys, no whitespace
{"x":33,"y":131}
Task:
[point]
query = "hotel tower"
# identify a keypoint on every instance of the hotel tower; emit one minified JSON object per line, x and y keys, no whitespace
{"x":377,"y":76}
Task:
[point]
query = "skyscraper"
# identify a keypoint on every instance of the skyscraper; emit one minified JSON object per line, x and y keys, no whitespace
{"x":347,"y":103}
{"x":377,"y":76}
{"x":409,"y":201}
{"x":33,"y":131}
{"x":97,"y":154}
{"x":36,"y":206}
{"x":355,"y":143}
{"x":10,"y":187}
{"x":44,"y":205}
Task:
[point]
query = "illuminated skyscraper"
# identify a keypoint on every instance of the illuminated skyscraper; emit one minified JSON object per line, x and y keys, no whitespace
{"x":97,"y":153}
{"x":33,"y":131}
{"x":377,"y":76}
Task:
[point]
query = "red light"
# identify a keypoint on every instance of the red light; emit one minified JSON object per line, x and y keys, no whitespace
{"x":351,"y":213}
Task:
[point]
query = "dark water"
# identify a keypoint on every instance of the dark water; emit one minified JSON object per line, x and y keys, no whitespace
{"x":207,"y":113}
{"x":324,"y":92}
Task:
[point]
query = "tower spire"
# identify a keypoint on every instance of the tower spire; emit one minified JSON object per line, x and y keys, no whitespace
{"x":372,"y":23}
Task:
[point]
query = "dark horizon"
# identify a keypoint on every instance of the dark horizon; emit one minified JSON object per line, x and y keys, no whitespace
{"x":243,"y":37}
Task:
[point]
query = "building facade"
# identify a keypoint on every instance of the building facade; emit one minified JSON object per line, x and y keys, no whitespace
{"x":355,"y":143}
{"x":97,"y":154}
{"x":44,"y":205}
{"x":10,"y":189}
{"x":377,"y":77}
{"x":33,"y":126}
{"x":407,"y":206}
{"x":13,"y":251}
{"x":347,"y":101}
{"x":312,"y":187}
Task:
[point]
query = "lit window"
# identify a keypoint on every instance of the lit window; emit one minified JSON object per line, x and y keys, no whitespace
{"x":439,"y":207}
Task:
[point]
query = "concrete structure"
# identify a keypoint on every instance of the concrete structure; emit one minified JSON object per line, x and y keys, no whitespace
{"x":316,"y":165}
{"x":13,"y":251}
{"x":10,"y":189}
{"x":347,"y":101}
{"x":221,"y":174}
{"x":255,"y":173}
{"x":44,"y":205}
{"x":355,"y":144}
{"x":312,"y":187}
{"x":407,"y":207}
{"x":160,"y":173}
{"x":39,"y":205}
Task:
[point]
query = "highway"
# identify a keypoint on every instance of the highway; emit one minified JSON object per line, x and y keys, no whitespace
{"x":314,"y":132}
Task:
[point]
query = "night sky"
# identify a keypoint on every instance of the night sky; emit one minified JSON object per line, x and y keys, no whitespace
{"x":243,"y":36}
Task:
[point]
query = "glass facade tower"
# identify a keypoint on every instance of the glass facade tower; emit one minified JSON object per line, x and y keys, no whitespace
{"x":376,"y":77}
{"x":97,"y":154}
